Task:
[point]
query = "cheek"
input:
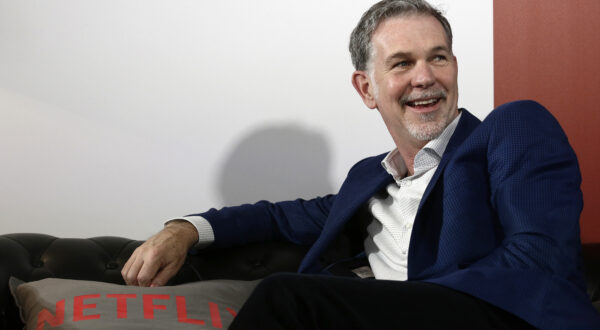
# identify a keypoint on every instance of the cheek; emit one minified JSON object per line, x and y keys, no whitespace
{"x":395,"y":87}
{"x":449,"y":79}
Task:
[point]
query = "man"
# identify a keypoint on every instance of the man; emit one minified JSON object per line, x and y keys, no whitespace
{"x":464,"y":225}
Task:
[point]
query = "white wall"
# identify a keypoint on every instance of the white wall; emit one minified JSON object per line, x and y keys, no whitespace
{"x":119,"y":114}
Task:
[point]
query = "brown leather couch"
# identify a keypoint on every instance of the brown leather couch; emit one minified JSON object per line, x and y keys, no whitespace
{"x":31,"y":257}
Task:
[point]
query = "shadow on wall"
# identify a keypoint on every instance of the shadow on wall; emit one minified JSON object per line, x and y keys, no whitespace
{"x":276,"y":163}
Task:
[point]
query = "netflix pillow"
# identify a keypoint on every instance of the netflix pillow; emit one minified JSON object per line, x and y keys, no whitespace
{"x":71,"y":304}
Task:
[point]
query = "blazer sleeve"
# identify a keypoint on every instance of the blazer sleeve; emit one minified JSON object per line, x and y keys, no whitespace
{"x":535,"y":190}
{"x":299,"y":221}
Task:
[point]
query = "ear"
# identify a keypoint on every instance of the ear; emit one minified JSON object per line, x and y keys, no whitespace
{"x":365,"y":88}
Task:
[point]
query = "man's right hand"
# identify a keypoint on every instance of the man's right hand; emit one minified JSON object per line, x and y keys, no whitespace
{"x":159,"y":258}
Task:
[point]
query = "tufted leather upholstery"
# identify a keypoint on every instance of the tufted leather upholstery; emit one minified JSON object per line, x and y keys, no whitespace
{"x":32,"y":257}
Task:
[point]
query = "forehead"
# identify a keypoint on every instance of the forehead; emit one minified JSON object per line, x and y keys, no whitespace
{"x":408,"y":34}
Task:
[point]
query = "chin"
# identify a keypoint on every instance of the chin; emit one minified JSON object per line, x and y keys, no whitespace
{"x":426,"y":131}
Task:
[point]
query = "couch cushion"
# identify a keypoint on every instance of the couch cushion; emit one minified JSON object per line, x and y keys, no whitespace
{"x":73,"y":304}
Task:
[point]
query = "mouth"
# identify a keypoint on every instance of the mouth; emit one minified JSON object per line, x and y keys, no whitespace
{"x":423,"y":104}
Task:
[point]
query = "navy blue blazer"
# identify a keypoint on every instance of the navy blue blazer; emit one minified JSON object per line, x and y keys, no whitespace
{"x":499,"y":219}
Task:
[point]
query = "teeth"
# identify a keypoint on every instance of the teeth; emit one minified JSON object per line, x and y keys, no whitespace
{"x":425,"y":102}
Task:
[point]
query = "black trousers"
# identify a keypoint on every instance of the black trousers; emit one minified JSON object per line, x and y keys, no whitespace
{"x":293,"y":301}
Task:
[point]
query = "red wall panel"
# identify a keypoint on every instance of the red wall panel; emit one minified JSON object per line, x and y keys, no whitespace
{"x":549,"y":51}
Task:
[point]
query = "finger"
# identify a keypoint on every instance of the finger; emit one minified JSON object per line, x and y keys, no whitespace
{"x":132,"y":274}
{"x":164,"y":275}
{"x":126,"y":267}
{"x":147,"y":272}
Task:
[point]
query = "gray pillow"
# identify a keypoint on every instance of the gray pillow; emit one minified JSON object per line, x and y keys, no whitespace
{"x":72,"y":304}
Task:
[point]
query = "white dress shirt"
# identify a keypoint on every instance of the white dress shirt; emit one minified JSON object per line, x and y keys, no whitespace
{"x":394,"y":210}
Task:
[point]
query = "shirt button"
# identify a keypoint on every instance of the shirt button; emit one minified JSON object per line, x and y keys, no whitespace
{"x":404,"y":252}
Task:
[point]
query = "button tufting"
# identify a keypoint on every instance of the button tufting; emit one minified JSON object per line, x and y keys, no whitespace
{"x":38,"y":264}
{"x":112,"y":265}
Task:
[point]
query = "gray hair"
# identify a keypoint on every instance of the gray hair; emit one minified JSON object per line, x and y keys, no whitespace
{"x":360,"y":39}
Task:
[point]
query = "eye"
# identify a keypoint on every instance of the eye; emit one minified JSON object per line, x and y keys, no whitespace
{"x":440,"y":58}
{"x":402,"y":64}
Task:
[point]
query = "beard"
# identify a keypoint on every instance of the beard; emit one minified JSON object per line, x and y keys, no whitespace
{"x":427,"y":126}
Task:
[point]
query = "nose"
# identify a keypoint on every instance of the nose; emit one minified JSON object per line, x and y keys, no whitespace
{"x":423,"y":76}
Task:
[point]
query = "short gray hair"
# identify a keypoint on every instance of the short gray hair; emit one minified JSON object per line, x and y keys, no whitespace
{"x":360,"y":39}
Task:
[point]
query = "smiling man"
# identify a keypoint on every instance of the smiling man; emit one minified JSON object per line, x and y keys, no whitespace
{"x":464,"y":225}
{"x":411,"y":78}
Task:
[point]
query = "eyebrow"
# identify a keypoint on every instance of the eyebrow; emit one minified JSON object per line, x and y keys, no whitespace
{"x":441,"y":48}
{"x":395,"y":56}
{"x":390,"y":59}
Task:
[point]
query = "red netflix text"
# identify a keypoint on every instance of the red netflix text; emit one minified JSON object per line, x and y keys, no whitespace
{"x":83,"y":309}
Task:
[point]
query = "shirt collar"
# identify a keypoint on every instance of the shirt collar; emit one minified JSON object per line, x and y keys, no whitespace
{"x":426,"y":158}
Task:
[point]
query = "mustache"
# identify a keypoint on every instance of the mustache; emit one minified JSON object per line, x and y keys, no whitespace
{"x":438,"y":94}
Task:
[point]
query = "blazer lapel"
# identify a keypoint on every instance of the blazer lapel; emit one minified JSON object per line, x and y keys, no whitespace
{"x":360,"y":188}
{"x":466,"y":125}
{"x":363,"y":181}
